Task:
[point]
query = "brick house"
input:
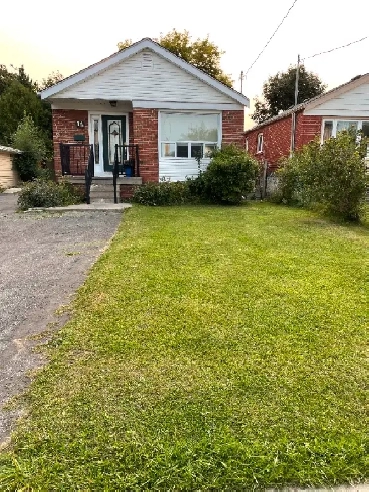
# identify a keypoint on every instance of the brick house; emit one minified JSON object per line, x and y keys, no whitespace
{"x":161,"y":111}
{"x":346,"y":106}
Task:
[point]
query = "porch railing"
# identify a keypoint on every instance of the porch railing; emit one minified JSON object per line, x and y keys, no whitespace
{"x":89,"y":174}
{"x":78,"y":160}
{"x":126,"y":163}
{"x":74,"y":158}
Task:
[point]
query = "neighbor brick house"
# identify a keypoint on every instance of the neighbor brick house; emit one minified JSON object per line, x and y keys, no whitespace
{"x":161,"y":109}
{"x":346,"y":106}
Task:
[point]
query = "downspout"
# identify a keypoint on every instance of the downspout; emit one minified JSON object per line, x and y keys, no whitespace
{"x":293,"y":126}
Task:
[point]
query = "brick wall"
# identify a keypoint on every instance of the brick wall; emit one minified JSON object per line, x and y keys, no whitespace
{"x":64,"y":129}
{"x":308,"y":127}
{"x":232,"y":127}
{"x":130,"y":128}
{"x":145,"y":134}
{"x":277,"y":137}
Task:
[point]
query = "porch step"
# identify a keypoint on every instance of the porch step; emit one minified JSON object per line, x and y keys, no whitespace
{"x":102,"y":191}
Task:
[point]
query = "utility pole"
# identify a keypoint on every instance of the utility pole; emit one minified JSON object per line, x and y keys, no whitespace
{"x":241,"y":79}
{"x":293,"y":129}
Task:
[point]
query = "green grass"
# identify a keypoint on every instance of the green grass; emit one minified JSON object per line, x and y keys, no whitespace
{"x":210,"y":347}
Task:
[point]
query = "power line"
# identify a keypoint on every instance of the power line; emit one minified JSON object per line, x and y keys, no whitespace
{"x":334,"y":49}
{"x":271,"y":37}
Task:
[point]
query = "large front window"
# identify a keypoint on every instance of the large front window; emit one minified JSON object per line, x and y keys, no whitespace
{"x":189,"y":135}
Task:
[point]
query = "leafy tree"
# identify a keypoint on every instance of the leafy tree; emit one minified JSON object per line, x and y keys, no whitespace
{"x":52,"y":79}
{"x":14,"y":102}
{"x":122,"y":45}
{"x":18,"y":95}
{"x":202,"y":53}
{"x":279,"y":92}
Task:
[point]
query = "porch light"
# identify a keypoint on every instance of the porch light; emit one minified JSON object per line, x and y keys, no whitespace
{"x":113,"y":103}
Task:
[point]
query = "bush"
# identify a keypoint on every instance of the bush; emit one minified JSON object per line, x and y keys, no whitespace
{"x":26,"y":166}
{"x":329,"y":176}
{"x":43,"y":193}
{"x":163,"y":193}
{"x":31,"y":142}
{"x":230,"y":176}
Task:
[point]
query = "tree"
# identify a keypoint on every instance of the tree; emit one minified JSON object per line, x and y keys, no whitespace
{"x":279,"y":92}
{"x":202,"y":53}
{"x":52,"y":79}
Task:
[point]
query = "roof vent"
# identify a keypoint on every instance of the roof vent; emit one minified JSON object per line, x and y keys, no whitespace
{"x":355,"y":78}
{"x":147,"y":60}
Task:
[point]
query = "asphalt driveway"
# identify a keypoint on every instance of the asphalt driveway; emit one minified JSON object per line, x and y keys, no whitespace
{"x":44,"y":258}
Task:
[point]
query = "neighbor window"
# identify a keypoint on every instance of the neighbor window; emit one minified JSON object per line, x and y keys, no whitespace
{"x":328,"y":130}
{"x":188,"y":135}
{"x":260,"y":143}
{"x":247,"y":145}
{"x":332,"y":127}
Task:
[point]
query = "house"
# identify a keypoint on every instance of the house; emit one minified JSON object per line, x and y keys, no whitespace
{"x":8,"y":175}
{"x":344,"y":107}
{"x":160,"y":111}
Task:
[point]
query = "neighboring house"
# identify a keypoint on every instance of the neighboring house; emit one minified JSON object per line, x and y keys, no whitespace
{"x":151,"y":100}
{"x":8,"y":175}
{"x":346,"y":106}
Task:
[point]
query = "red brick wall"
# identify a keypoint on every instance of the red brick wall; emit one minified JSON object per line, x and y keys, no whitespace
{"x":130,"y":127}
{"x":308,"y":127}
{"x":145,"y":134}
{"x":232,"y":127}
{"x":64,"y":129}
{"x":277,"y":137}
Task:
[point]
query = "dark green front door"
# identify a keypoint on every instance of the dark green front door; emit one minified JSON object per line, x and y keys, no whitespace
{"x":114,"y":132}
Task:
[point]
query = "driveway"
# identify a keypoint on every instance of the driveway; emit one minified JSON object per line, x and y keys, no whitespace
{"x":44,"y":258}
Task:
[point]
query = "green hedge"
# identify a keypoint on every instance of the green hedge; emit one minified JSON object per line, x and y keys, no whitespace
{"x":330,"y":177}
{"x":229,"y":178}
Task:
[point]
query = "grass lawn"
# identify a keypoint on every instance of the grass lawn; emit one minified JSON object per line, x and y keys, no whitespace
{"x":210,"y":347}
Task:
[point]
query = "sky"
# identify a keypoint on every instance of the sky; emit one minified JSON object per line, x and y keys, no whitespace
{"x":69,"y":35}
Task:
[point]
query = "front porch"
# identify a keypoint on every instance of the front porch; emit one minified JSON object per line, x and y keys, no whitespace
{"x":78,"y":166}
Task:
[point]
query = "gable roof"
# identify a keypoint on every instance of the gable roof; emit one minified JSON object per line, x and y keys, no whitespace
{"x":315,"y":101}
{"x":120,"y":56}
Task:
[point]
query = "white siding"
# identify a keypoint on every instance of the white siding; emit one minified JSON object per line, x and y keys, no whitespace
{"x":351,"y":103}
{"x":145,"y":76}
{"x":180,"y":169}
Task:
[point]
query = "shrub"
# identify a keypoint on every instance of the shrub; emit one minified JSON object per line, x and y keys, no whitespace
{"x":29,"y":139}
{"x":26,"y":166}
{"x":43,"y":193}
{"x":230,"y":176}
{"x":163,"y":193}
{"x":329,"y":176}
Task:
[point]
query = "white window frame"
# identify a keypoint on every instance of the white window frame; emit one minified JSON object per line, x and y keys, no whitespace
{"x":335,"y":121}
{"x":260,"y":143}
{"x":160,"y":142}
{"x":247,"y":145}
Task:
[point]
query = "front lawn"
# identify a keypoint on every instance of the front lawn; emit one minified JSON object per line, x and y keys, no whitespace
{"x":210,"y":348}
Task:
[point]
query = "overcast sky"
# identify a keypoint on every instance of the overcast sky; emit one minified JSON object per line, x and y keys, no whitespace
{"x":69,"y":35}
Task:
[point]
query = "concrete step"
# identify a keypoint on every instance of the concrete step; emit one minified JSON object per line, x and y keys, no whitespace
{"x":101,"y":187}
{"x":101,"y":200}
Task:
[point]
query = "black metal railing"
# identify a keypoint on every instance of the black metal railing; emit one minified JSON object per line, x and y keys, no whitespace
{"x":89,"y":174}
{"x":126,"y":163}
{"x":75,"y":158}
{"x":78,"y":160}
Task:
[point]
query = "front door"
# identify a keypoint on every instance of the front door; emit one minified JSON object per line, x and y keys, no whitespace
{"x":113,"y":132}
